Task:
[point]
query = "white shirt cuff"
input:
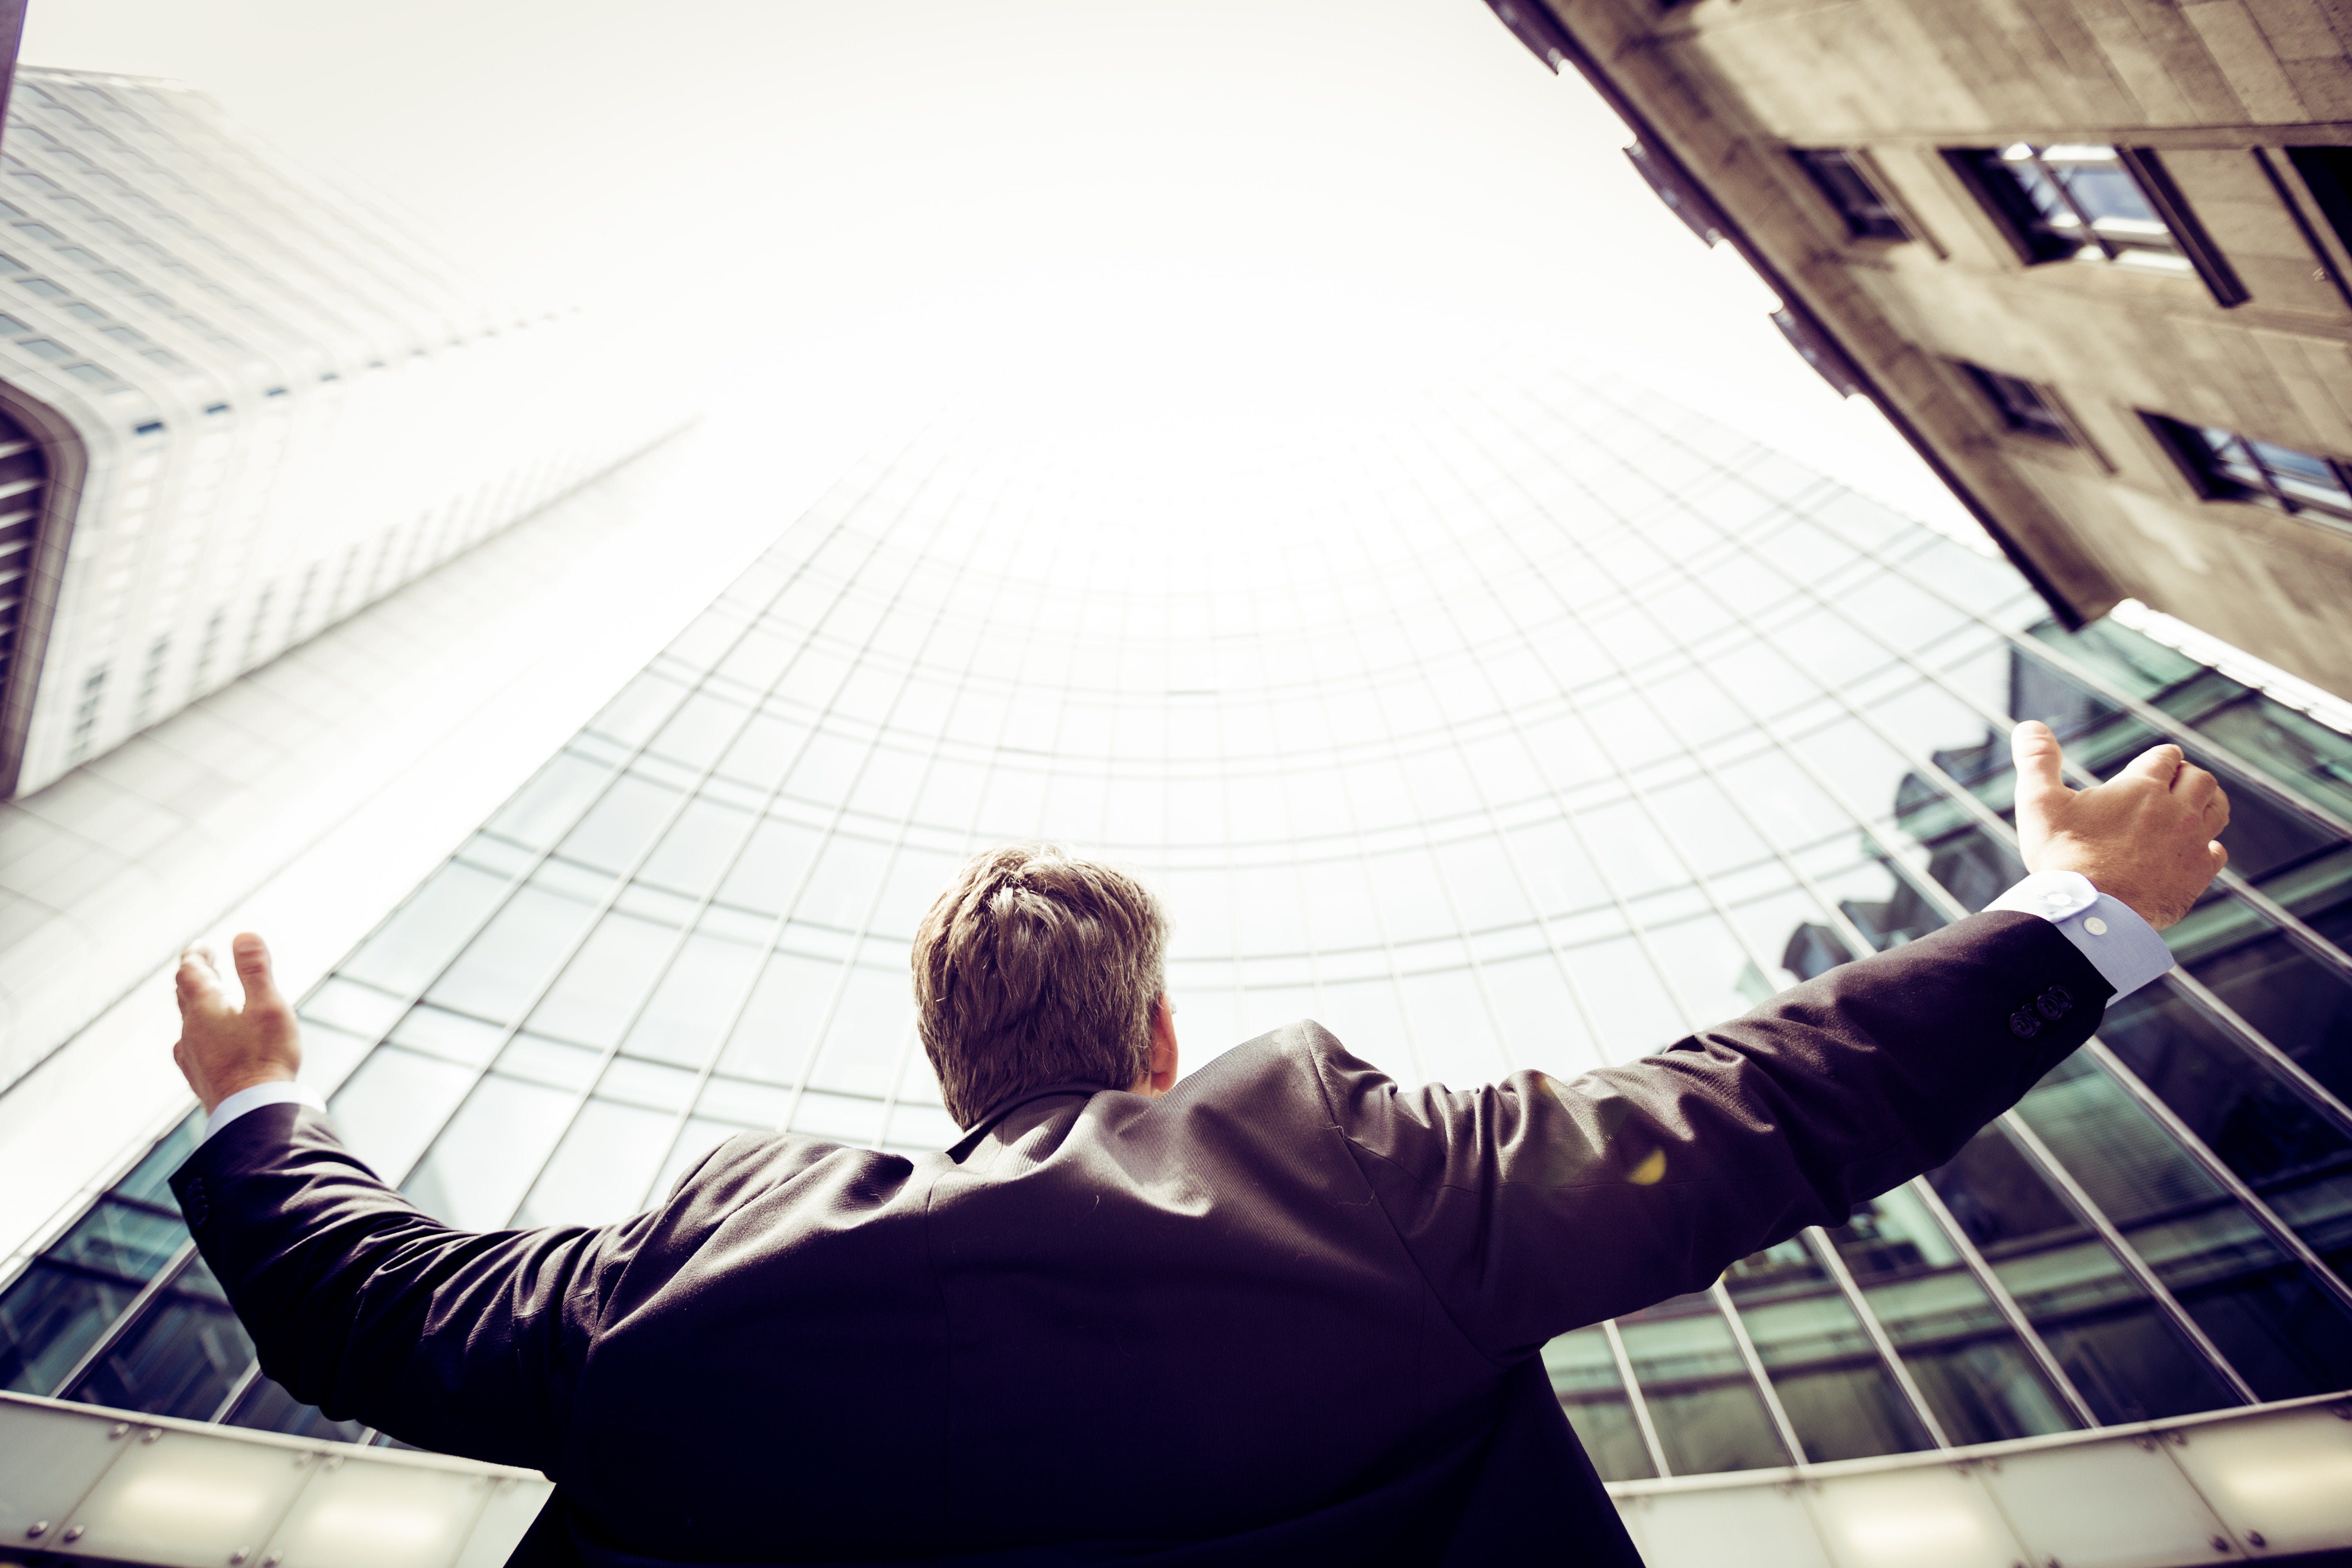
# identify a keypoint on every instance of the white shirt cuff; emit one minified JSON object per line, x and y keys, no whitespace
{"x":2124,"y":948}
{"x":255,"y":1097}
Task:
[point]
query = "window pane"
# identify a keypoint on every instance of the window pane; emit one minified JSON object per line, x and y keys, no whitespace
{"x":57,"y":1308}
{"x":389,"y":1110}
{"x":1584,"y":1378}
{"x":408,"y":950}
{"x":1980,"y":1381}
{"x":1831,"y":1382}
{"x":1708,"y":1413}
{"x":503,"y":968}
{"x":622,"y":824}
{"x":181,"y":1358}
{"x":488,"y":1156}
{"x":543,"y":810}
{"x":774,"y":1038}
{"x":2117,"y":1347}
{"x":600,"y":988}
{"x":604,"y":1168}
{"x":685,"y":1019}
{"x":698,"y":847}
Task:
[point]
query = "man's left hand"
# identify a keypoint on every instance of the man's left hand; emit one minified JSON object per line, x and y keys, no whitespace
{"x":224,"y":1047}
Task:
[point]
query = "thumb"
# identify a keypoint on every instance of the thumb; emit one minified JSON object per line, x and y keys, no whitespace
{"x":2040,"y":781}
{"x":252,"y":956}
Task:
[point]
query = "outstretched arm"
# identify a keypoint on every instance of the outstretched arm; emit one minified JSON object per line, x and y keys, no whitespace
{"x":1535,"y":1205}
{"x":358,"y":1302}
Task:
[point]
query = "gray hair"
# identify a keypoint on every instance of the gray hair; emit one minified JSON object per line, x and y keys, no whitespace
{"x":1035,"y":967}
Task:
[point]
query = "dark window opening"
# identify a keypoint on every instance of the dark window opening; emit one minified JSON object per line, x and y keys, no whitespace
{"x":2328,"y":171}
{"x":1851,"y":191}
{"x":2226,"y":466}
{"x":2022,"y":406}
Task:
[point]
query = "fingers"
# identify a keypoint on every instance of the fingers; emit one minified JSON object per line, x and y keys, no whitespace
{"x":197,"y":982}
{"x":2157,"y":765}
{"x":252,"y":956}
{"x":2040,"y":774}
{"x":2219,"y":853}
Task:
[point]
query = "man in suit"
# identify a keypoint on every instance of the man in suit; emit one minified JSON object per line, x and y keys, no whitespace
{"x":1280,"y":1312}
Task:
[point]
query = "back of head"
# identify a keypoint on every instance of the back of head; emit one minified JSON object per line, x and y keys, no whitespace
{"x":1037,"y":967}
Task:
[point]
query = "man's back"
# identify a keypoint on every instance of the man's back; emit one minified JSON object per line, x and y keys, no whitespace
{"x":896,"y":1352}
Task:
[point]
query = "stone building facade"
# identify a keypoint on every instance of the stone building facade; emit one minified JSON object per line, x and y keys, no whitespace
{"x":2090,"y":256}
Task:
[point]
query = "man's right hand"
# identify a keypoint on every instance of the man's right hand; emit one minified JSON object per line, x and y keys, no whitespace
{"x":2145,"y":836}
{"x":224,"y":1047}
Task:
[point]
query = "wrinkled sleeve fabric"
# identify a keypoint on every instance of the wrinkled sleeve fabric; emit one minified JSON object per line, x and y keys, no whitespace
{"x":1538,"y":1204}
{"x":360,"y":1303}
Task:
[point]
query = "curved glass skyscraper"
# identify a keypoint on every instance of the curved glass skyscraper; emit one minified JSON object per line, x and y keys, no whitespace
{"x":1535,"y":730}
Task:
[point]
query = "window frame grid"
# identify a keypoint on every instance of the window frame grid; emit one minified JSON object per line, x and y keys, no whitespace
{"x":1991,"y":821}
{"x":2021,"y":644}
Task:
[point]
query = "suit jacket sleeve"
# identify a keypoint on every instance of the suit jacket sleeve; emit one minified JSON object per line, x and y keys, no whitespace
{"x":1534,"y":1205}
{"x":360,"y":1303}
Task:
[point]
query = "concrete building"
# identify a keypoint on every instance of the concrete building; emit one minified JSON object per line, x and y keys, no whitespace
{"x":1536,"y":729}
{"x":236,"y":404}
{"x":2091,"y":258}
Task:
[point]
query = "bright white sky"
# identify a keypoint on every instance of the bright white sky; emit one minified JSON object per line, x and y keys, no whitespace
{"x":1107,"y":204}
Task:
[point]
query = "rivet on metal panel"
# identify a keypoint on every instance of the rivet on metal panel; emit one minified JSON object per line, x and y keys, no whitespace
{"x":237,"y":1556}
{"x":73,"y":1532}
{"x":36,"y":1530}
{"x":2254,"y":1538}
{"x":2319,"y":275}
{"x":117,"y":1430}
{"x":2221,"y":1544}
{"x":2341,"y":1412}
{"x":150,"y":1434}
{"x":334,"y":1462}
{"x":273,"y":1559}
{"x":2145,"y":1443}
{"x":2177,"y":1437}
{"x":2050,"y":1563}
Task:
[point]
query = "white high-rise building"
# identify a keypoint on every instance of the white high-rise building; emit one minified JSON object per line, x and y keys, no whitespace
{"x":236,"y":404}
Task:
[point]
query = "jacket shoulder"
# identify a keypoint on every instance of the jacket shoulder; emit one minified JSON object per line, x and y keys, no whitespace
{"x":1292,"y":1064}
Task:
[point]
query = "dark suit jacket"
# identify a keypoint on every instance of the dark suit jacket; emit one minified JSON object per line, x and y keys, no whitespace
{"x":1290,"y":1313}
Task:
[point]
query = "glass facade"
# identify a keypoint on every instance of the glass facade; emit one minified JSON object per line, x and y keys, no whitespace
{"x":1532,"y":731}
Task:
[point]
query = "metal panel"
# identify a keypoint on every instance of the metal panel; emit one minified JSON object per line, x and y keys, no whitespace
{"x":2043,"y":1494}
{"x":366,"y":1513}
{"x":2282,"y":1480}
{"x":1929,"y":1517}
{"x":1688,"y":1529}
{"x":51,"y":1461}
{"x":187,"y":1499}
{"x":514,"y":1503}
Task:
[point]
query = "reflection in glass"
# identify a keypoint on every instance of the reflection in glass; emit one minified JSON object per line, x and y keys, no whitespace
{"x":2284,"y":1335}
{"x":181,"y":1357}
{"x":1707,"y":1410}
{"x":2115,"y":1344}
{"x":1585,"y":1375}
{"x":1980,"y":1381}
{"x":1837,"y":1391}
